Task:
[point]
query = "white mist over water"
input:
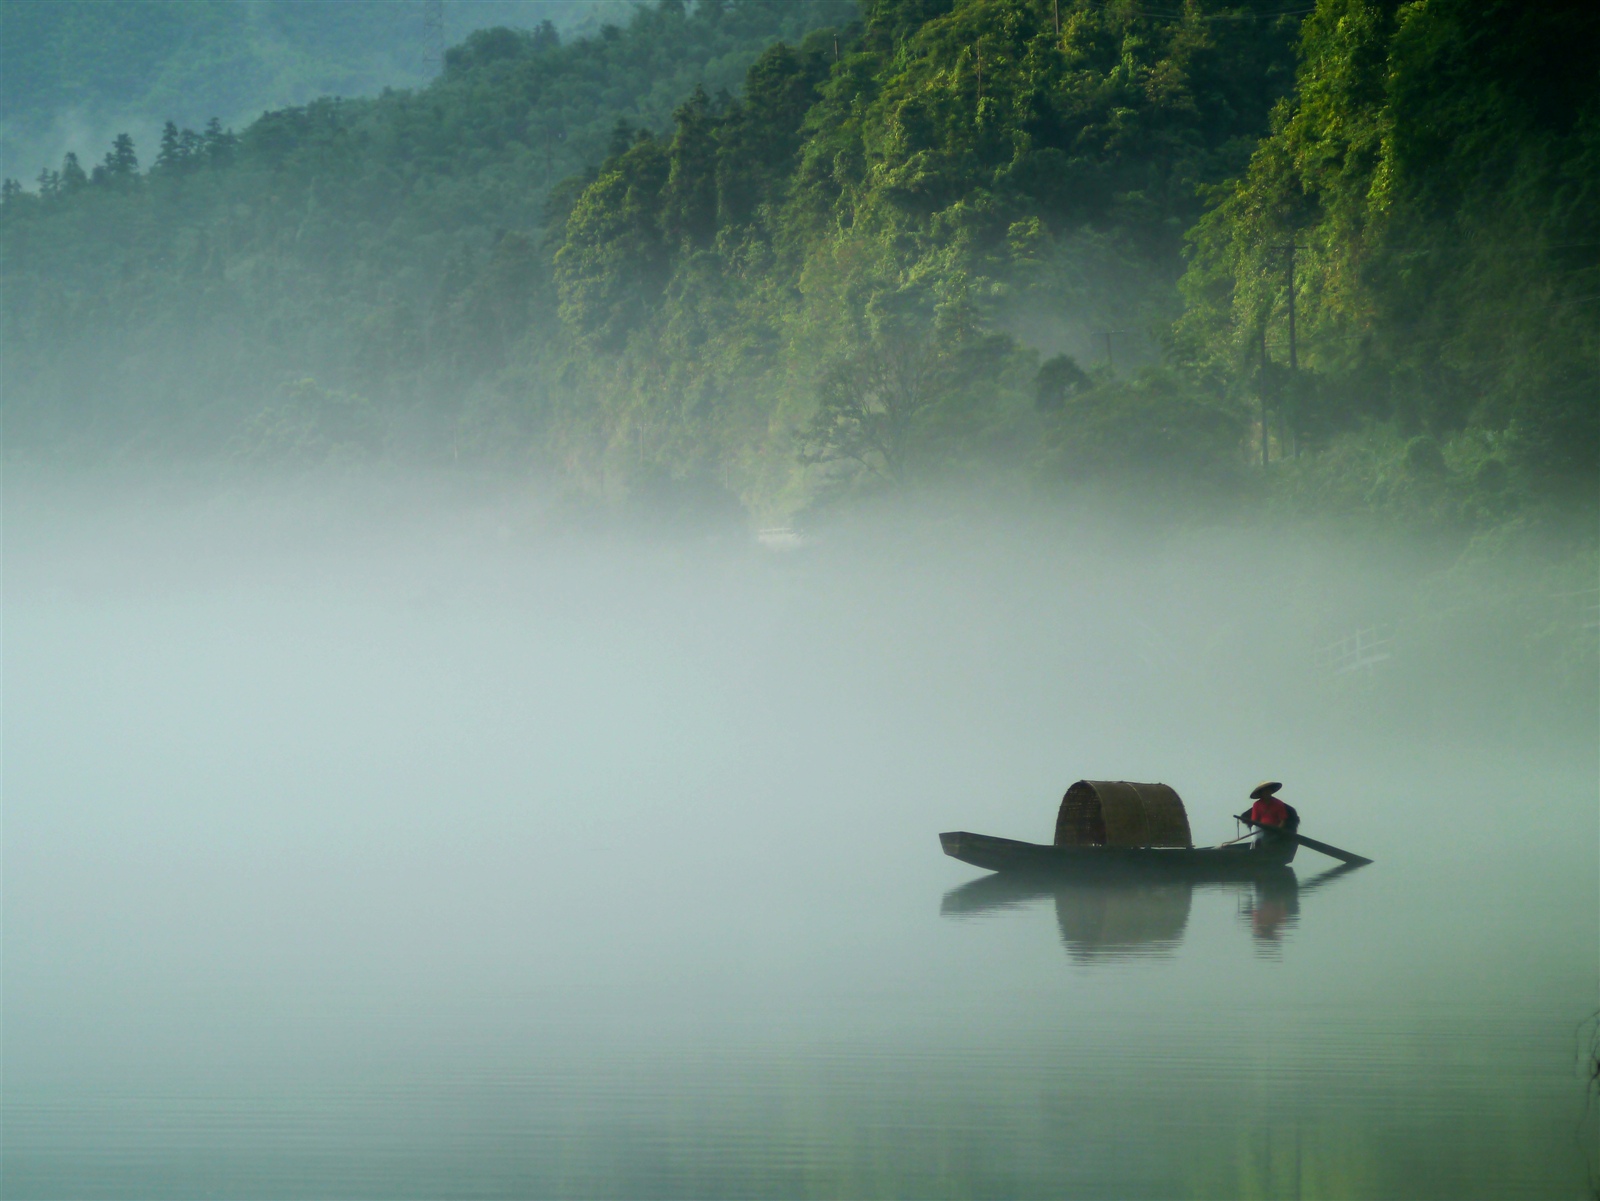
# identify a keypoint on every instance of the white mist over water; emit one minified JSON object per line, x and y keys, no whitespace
{"x":388,"y":840}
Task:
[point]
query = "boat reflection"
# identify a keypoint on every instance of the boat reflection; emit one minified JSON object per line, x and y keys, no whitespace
{"x":1119,"y":918}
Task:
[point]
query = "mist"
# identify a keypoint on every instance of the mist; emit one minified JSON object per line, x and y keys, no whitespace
{"x":404,"y":834}
{"x":690,"y":604}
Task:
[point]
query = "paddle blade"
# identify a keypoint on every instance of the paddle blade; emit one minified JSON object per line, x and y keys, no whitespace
{"x":1334,"y":852}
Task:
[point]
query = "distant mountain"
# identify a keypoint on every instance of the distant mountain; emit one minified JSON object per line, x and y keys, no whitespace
{"x":73,"y":74}
{"x":158,"y":292}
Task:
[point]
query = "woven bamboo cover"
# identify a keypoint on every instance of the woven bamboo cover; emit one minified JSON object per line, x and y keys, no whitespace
{"x":1120,"y":813}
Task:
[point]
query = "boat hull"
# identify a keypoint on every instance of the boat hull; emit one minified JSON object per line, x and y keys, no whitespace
{"x":1239,"y":862}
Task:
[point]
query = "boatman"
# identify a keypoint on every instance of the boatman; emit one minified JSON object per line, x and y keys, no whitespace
{"x":1270,"y":815}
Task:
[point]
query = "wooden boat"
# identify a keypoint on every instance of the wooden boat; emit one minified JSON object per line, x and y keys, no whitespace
{"x":1237,"y":862}
{"x":1117,"y":827}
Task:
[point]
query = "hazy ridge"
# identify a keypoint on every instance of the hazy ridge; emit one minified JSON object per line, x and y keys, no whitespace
{"x":1039,"y":247}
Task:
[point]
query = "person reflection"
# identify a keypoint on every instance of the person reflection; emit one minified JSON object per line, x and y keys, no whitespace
{"x":1273,"y":908}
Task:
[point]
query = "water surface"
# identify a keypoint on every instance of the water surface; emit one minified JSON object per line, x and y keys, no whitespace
{"x":360,"y":854}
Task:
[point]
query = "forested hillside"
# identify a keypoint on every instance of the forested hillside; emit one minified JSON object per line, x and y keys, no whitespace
{"x":1340,"y":259}
{"x":954,"y":192}
{"x":1433,"y":194}
{"x":163,"y":297}
{"x":71,"y":71}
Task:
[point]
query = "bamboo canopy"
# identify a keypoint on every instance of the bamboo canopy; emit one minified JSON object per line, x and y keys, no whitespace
{"x":1120,"y":813}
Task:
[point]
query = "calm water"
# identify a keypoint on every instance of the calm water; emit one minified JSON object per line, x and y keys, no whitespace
{"x":372,"y":857}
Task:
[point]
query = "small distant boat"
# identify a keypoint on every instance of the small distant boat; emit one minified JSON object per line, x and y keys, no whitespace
{"x":1118,"y":827}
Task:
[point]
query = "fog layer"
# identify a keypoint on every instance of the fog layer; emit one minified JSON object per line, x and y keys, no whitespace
{"x":403,"y":837}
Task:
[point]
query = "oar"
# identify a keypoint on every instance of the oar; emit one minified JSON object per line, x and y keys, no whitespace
{"x":1334,"y":852}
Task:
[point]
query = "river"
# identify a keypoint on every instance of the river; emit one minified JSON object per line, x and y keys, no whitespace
{"x":359,"y":846}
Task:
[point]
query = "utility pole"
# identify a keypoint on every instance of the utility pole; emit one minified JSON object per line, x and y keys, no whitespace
{"x":1294,"y":368}
{"x":1111,"y":359}
{"x":1055,"y":10}
{"x":433,"y":36}
{"x":1261,"y":385}
{"x":1294,"y":363}
{"x":1294,"y":358}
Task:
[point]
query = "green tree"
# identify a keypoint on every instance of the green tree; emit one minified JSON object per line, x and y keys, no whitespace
{"x":173,"y":153}
{"x":218,"y":144}
{"x":1058,"y":381}
{"x":613,"y":262}
{"x":1436,"y":171}
{"x":121,"y":163}
{"x":72,"y":176}
{"x":878,"y":407}
{"x":689,"y":200}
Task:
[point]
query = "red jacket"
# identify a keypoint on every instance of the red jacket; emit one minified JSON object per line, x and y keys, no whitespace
{"x":1270,"y":811}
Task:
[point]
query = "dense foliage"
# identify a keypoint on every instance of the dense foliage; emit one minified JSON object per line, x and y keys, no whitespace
{"x":939,"y":186}
{"x":385,"y":248}
{"x":1433,"y":191}
{"x":1051,"y":240}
